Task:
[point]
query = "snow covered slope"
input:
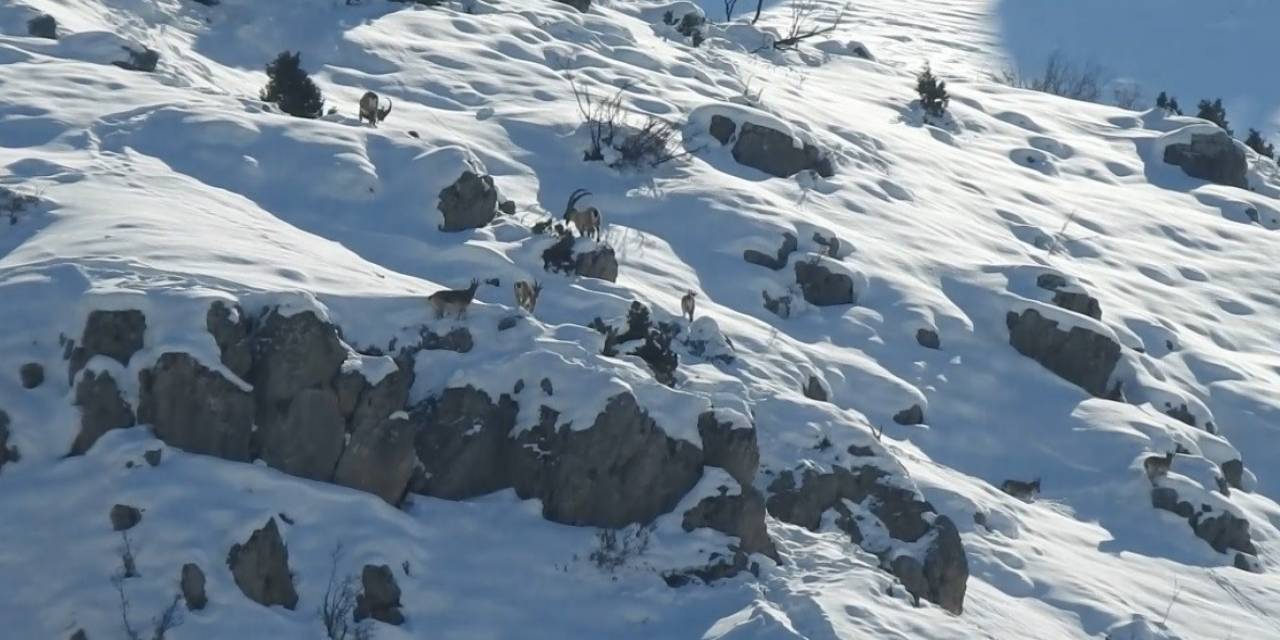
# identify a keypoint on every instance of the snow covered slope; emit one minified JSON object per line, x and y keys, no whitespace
{"x":163,"y":192}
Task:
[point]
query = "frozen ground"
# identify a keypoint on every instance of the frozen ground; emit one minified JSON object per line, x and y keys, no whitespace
{"x":162,"y":191}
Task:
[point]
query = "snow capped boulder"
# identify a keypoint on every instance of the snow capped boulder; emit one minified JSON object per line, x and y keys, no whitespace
{"x":309,"y":439}
{"x":380,"y":597}
{"x":469,"y":203}
{"x":1224,"y":531}
{"x":1208,"y":153}
{"x":600,"y":263}
{"x":43,"y":26}
{"x":102,"y":408}
{"x":1070,"y":297}
{"x":703,"y":339}
{"x":124,"y":517}
{"x":31,"y":375}
{"x":823,"y":284}
{"x":195,"y":408}
{"x":379,"y":459}
{"x":260,"y":567}
{"x":115,"y":334}
{"x":760,"y":140}
{"x":1078,"y":355}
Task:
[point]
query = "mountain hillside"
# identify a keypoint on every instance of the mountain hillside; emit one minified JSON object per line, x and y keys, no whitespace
{"x":1006,"y":371}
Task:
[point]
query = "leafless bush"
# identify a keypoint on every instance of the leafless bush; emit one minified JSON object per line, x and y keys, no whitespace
{"x":1127,"y":94}
{"x":13,"y":203}
{"x":1061,"y":77}
{"x":130,"y":568}
{"x":338,"y":606}
{"x":612,"y":139}
{"x":805,"y":17}
{"x":729,"y":7}
{"x":168,"y":619}
{"x":602,"y":117}
{"x":616,"y":547}
{"x":654,"y":143}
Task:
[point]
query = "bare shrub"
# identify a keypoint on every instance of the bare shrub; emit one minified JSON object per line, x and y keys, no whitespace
{"x":729,"y":7}
{"x":1061,"y":77}
{"x":805,"y":17}
{"x":653,"y":143}
{"x":617,"y":547}
{"x":336,"y":610}
{"x":602,"y":118}
{"x":1127,"y":94}
{"x":614,"y":140}
{"x":168,"y":619}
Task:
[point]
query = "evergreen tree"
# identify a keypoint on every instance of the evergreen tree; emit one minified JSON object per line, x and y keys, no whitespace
{"x":1216,"y":113}
{"x":290,"y":87}
{"x":1257,"y":143}
{"x":1173,"y":106}
{"x":933,"y":93}
{"x":1169,"y":104}
{"x":1162,"y":101}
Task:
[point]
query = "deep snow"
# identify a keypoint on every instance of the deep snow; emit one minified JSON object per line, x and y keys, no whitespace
{"x":164,"y":191}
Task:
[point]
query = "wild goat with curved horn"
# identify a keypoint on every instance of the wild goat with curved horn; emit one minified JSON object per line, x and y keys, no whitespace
{"x":587,"y":219}
{"x":369,"y":109}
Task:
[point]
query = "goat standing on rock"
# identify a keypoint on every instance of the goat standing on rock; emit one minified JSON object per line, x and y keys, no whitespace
{"x":687,"y":305}
{"x":453,"y":301}
{"x":370,"y":111}
{"x":587,"y":220}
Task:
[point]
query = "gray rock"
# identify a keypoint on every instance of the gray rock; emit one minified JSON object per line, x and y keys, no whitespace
{"x":144,"y":59}
{"x":31,"y":375}
{"x":380,"y":598}
{"x":462,"y":442}
{"x":260,"y":567}
{"x":379,"y":459}
{"x":1223,"y":532}
{"x":292,"y":353}
{"x":43,"y":26}
{"x":742,"y":516}
{"x":928,"y":338}
{"x":7,"y":453}
{"x":1051,"y":281}
{"x":195,"y":408}
{"x":102,"y":408}
{"x":192,"y":585}
{"x":623,"y":469}
{"x":1078,"y":302}
{"x":547,"y":389}
{"x":115,"y":334}
{"x":508,"y":322}
{"x":378,"y":402}
{"x":349,"y":385}
{"x":780,"y":258}
{"x":1214,"y":157}
{"x":230,"y":330}
{"x":722,"y":128}
{"x":1079,"y":356}
{"x":458,"y":340}
{"x":600,"y":263}
{"x":734,"y":450}
{"x":507,"y":207}
{"x":580,"y":5}
{"x":774,"y":153}
{"x":79,"y":635}
{"x":1167,"y":499}
{"x":911,"y":415}
{"x":803,"y":503}
{"x":124,"y":517}
{"x":308,"y":441}
{"x":470,"y":202}
{"x":152,"y":456}
{"x":823,"y":287}
{"x":946,"y":569}
{"x":815,"y":391}
{"x":1233,"y":473}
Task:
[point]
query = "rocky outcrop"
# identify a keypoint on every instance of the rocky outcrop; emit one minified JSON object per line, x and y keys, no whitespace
{"x":1225,"y":532}
{"x":191,"y":583}
{"x":462,"y":442}
{"x":911,"y":415}
{"x":1233,"y":473}
{"x":814,"y":390}
{"x":741,"y":515}
{"x":580,"y":5}
{"x":43,"y":26}
{"x":115,"y":334}
{"x":733,"y":449}
{"x":230,"y":330}
{"x":1213,"y":156}
{"x":1077,"y":301}
{"x":928,"y":338}
{"x":196,"y":409}
{"x":310,"y":438}
{"x":940,"y":577}
{"x":823,"y":287}
{"x":31,"y":375}
{"x":260,"y":567}
{"x":292,"y":353}
{"x":769,"y":150}
{"x":379,"y":459}
{"x":124,"y":517}
{"x":777,"y":261}
{"x":600,"y":263}
{"x":102,"y":408}
{"x":470,"y":202}
{"x":380,"y":597}
{"x":1079,"y":356}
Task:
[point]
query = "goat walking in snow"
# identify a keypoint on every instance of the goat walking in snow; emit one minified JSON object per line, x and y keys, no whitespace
{"x":453,"y":301}
{"x":369,"y":109}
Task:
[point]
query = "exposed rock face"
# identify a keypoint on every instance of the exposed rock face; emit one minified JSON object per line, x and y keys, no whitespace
{"x":777,"y":261}
{"x":600,"y":263}
{"x":1214,"y":157}
{"x":814,"y":390}
{"x":308,"y":442}
{"x":940,"y":578}
{"x":379,"y":459}
{"x":31,"y":375}
{"x":462,"y":441}
{"x":7,"y":453}
{"x":1079,"y":356}
{"x":1233,"y":473}
{"x":928,"y":338}
{"x":192,"y":585}
{"x":823,"y":287}
{"x":230,"y":330}
{"x":260,"y":567}
{"x":736,"y":515}
{"x":911,"y":415}
{"x":380,"y":599}
{"x":196,"y":409}
{"x":1224,"y":532}
{"x":769,"y":150}
{"x":102,"y":408}
{"x":469,"y":203}
{"x":580,"y":5}
{"x":1076,"y":301}
{"x":1166,"y":498}
{"x":734,"y":450}
{"x":115,"y":334}
{"x":144,"y":59}
{"x":124,"y":517}
{"x":292,"y":353}
{"x":458,"y":340}
{"x":43,"y":26}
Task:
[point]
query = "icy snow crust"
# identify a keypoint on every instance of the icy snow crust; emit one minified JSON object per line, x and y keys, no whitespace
{"x":163,"y":192}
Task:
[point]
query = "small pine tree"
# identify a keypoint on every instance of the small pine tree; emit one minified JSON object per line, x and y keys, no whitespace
{"x":1162,"y":101}
{"x":290,"y":87}
{"x":1216,"y":113}
{"x":933,"y":93}
{"x":1173,"y":106}
{"x":1257,"y":143}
